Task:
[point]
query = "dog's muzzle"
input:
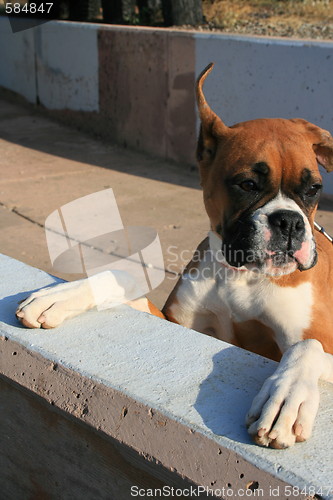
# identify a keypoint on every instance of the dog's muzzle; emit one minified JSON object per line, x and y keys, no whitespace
{"x":273,"y":240}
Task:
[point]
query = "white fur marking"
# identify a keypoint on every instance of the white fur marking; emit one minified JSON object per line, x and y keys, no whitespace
{"x":282,"y":202}
{"x":232,"y":295}
{"x":49,"y":307}
{"x":286,"y":406}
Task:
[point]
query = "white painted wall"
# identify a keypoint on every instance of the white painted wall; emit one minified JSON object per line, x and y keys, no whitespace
{"x":258,"y":77}
{"x":17,"y":61}
{"x":67,"y":66}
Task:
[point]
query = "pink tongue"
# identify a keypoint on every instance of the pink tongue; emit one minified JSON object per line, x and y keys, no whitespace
{"x":303,"y":254}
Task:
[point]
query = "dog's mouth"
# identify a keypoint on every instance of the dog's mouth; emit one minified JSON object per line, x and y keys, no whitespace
{"x":278,"y":263}
{"x":274,"y":263}
{"x":263,"y":260}
{"x":280,"y":258}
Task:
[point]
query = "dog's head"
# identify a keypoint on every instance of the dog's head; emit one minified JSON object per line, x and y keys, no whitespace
{"x":261,"y":187}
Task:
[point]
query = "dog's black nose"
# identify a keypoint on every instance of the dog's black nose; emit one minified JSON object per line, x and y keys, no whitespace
{"x":288,"y":223}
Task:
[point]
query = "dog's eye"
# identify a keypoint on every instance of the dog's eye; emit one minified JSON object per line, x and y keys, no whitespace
{"x":248,"y":185}
{"x":313,"y":190}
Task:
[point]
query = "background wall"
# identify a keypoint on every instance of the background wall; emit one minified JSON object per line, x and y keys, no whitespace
{"x":135,"y":85}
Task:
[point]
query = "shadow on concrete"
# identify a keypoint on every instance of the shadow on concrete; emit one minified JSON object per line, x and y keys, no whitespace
{"x":225,"y":396}
{"x":8,"y":305}
{"x":32,"y":127}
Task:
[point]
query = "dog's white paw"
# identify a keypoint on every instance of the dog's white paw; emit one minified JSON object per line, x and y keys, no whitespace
{"x":284,"y":411}
{"x":49,"y":307}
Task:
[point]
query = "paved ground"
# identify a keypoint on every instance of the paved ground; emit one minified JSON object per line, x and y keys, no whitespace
{"x":45,"y":164}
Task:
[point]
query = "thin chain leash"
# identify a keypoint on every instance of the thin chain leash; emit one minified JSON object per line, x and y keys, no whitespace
{"x":322,"y":230}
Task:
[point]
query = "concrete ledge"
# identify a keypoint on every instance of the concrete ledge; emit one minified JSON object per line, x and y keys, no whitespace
{"x":159,"y":404}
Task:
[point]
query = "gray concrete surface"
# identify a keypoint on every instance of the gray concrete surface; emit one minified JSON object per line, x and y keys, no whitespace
{"x":162,"y":390}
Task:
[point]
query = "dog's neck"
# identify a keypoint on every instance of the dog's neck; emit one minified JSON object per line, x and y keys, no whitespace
{"x":215,"y":246}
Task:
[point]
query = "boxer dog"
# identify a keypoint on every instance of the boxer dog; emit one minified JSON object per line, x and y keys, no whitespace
{"x":263,"y":278}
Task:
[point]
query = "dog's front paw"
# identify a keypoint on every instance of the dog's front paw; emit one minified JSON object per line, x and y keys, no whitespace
{"x":284,"y":411}
{"x":49,"y":307}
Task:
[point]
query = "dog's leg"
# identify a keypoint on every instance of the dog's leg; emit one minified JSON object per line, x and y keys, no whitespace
{"x":49,"y":307}
{"x":285,"y":409}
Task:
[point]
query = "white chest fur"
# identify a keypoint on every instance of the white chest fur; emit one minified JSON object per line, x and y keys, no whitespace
{"x":287,"y":310}
{"x":237,"y":296}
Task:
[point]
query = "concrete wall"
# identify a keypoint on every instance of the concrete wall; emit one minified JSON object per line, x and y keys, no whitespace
{"x":46,"y":455}
{"x":135,"y":85}
{"x":17,"y":61}
{"x":67,"y":67}
{"x":119,"y":398}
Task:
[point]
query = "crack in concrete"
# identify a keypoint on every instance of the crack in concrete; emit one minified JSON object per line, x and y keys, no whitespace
{"x":78,"y":242}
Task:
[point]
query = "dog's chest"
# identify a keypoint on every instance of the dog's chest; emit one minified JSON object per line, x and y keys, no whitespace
{"x":287,"y":310}
{"x":214,"y":298}
{"x":237,"y":297}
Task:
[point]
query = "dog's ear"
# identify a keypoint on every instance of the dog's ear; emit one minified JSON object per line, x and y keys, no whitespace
{"x":324,"y":150}
{"x":322,"y":143}
{"x":212,"y":126}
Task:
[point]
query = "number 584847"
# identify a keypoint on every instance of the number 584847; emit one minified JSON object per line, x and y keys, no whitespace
{"x":27,"y":8}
